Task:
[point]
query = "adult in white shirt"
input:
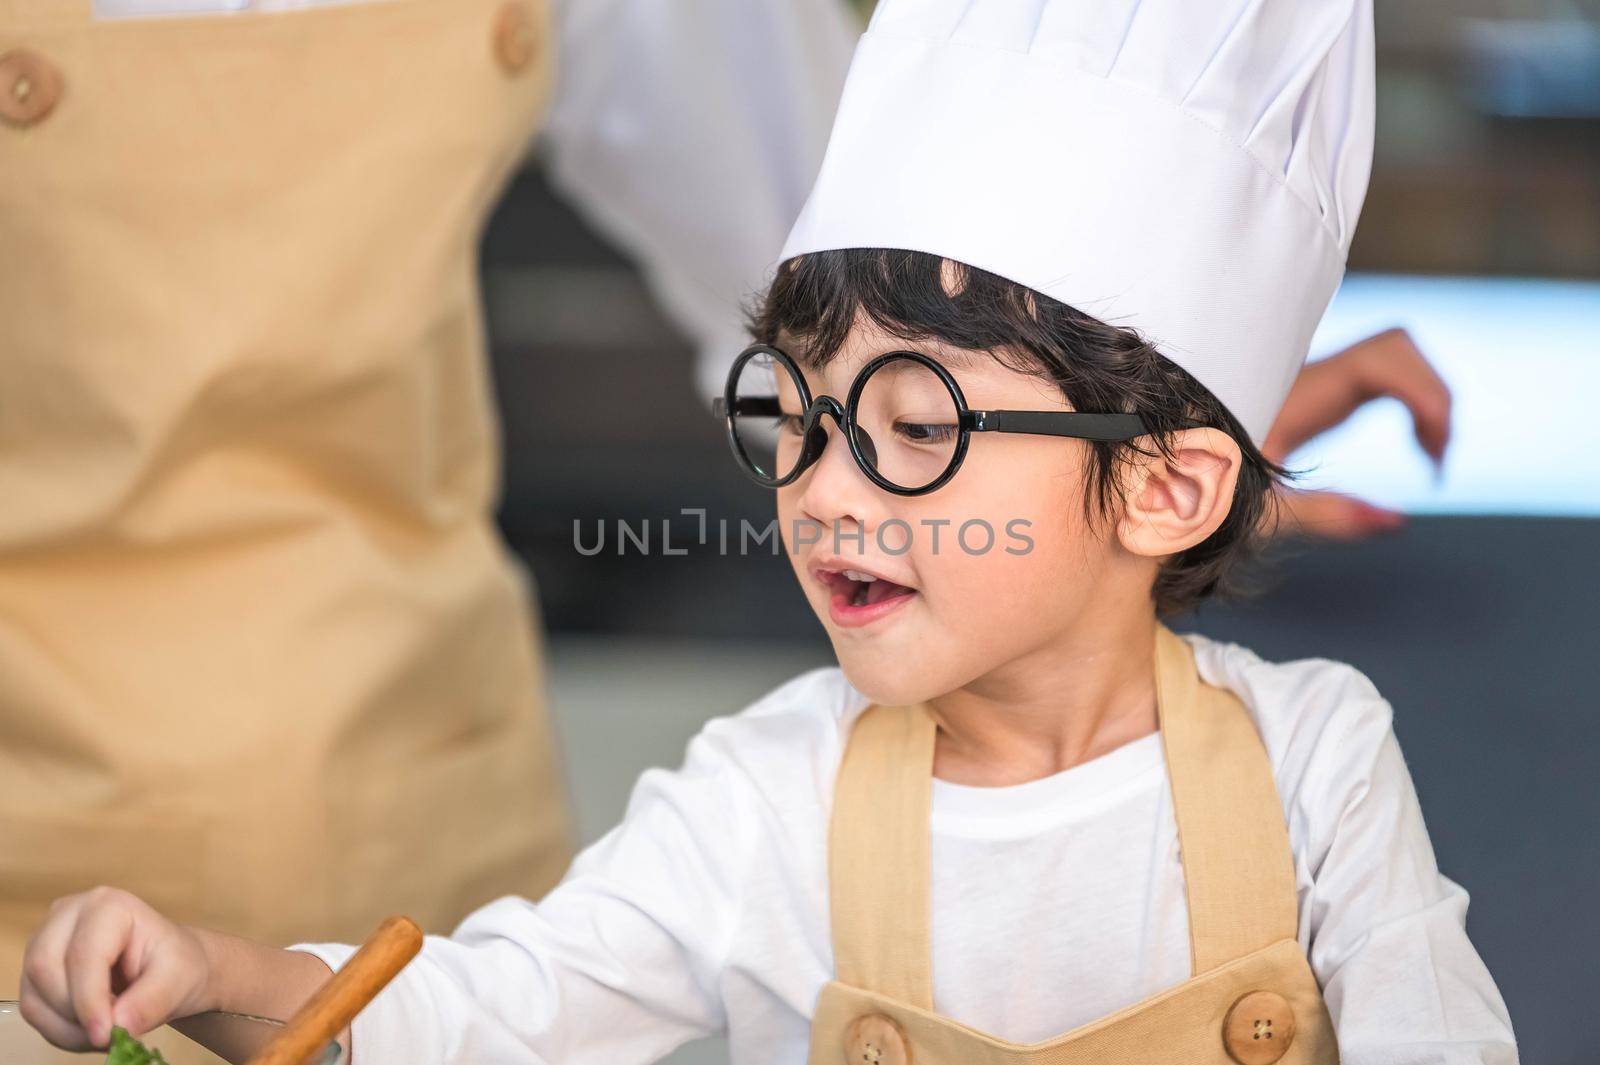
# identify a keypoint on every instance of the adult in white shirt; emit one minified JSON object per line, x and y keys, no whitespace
{"x":263,"y":658}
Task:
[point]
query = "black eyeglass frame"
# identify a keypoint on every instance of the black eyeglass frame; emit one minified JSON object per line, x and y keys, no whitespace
{"x":1080,"y":425}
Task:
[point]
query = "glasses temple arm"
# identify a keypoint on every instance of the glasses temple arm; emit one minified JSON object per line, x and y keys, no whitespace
{"x":1082,"y":425}
{"x":754,"y":407}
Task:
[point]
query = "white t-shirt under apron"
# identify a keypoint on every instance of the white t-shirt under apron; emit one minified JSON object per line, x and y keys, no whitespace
{"x":1054,"y":902}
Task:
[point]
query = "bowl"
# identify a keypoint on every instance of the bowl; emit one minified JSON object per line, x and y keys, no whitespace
{"x":233,"y":1037}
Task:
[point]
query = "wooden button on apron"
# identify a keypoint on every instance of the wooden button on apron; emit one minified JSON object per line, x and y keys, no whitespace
{"x":30,"y":85}
{"x":875,"y":1040}
{"x":1259,"y":1028}
{"x":516,"y":38}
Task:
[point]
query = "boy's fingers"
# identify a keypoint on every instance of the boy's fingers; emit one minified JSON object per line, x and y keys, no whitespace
{"x":44,"y":962}
{"x":97,"y":943}
{"x":50,"y":1022}
{"x":150,"y":999}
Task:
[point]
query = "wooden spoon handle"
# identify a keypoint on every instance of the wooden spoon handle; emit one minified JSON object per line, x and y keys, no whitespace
{"x":346,"y":994}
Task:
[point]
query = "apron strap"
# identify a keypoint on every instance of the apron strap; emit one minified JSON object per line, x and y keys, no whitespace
{"x":1237,"y":866}
{"x":878,"y":870}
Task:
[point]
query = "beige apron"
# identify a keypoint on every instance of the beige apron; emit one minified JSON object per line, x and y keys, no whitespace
{"x":1252,"y":999}
{"x":263,"y":659}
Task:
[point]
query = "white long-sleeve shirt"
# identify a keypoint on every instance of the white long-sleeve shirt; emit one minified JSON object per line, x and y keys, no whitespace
{"x":687,"y":131}
{"x":1053,"y":902}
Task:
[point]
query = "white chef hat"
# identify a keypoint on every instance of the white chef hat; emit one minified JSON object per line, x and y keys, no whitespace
{"x":1192,"y":169}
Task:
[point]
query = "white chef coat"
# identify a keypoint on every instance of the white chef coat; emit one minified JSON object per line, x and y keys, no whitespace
{"x":687,"y":131}
{"x":1054,"y":902}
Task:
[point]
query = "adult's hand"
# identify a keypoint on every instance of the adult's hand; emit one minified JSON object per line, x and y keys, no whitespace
{"x":1326,"y":393}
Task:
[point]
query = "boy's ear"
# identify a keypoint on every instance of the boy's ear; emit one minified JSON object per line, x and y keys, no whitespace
{"x":1171,"y":505}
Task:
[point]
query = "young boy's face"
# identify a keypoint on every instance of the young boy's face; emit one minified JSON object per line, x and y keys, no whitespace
{"x":965,"y":607}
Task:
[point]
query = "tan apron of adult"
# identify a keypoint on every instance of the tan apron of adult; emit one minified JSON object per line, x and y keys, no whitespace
{"x":263,"y":660}
{"x":1252,"y":999}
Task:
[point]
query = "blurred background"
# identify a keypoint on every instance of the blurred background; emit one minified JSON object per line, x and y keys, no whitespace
{"x":1481,"y":235}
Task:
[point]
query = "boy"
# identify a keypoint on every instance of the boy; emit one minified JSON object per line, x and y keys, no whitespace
{"x":1056,"y":276}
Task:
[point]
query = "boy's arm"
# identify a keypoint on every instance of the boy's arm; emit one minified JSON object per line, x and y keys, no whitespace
{"x":1387,"y":931}
{"x":258,"y":981}
{"x":619,"y":964}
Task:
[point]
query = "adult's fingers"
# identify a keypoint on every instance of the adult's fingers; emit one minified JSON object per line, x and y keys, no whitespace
{"x":1329,"y":390}
{"x":1332,"y":516}
{"x":58,"y":1028}
{"x":1393,"y":365}
{"x":97,"y":943}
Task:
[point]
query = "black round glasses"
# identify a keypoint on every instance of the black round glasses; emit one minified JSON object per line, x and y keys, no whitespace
{"x":905,"y":420}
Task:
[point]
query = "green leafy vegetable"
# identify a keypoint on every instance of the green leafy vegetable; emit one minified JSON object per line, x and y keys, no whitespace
{"x":126,"y":1050}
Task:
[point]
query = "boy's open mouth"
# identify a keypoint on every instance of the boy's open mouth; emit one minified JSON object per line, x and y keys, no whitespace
{"x":856,"y":597}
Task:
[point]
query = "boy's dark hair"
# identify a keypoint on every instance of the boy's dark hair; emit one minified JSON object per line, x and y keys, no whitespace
{"x":816,"y":298}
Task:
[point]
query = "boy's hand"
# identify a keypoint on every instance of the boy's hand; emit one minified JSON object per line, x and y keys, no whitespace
{"x":105,"y":958}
